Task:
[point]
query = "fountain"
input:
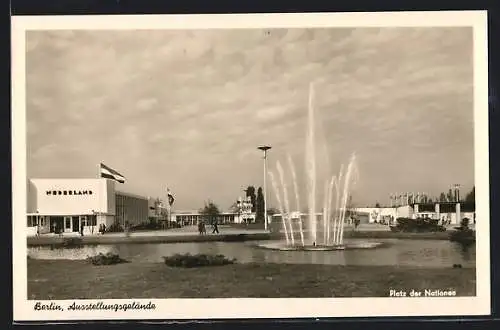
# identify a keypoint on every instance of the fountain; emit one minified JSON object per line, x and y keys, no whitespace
{"x":325,"y":229}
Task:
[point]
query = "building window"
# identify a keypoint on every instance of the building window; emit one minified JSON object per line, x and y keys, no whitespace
{"x":32,"y":220}
{"x":92,"y":221}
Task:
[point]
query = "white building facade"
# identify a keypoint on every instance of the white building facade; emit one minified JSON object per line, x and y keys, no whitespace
{"x":447,"y":213}
{"x":192,"y":218}
{"x":76,"y":205}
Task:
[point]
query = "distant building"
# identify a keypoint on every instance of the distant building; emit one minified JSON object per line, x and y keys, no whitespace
{"x":445,"y":212}
{"x":244,"y":209}
{"x":191,"y":218}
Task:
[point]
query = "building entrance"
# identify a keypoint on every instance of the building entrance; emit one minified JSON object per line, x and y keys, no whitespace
{"x":56,"y":225}
{"x":76,"y":224}
{"x":67,"y":224}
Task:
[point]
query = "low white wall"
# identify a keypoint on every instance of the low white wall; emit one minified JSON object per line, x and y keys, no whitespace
{"x":378,"y":213}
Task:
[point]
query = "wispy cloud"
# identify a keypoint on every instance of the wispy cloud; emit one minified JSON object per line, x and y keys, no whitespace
{"x":188,"y":108}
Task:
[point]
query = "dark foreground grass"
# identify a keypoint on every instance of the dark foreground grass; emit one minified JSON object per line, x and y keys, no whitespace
{"x":80,"y":280}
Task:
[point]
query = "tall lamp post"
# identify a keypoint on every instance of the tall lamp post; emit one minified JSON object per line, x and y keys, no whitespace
{"x":265,"y":149}
{"x":238,"y":207}
{"x":244,"y":207}
{"x":457,"y":192}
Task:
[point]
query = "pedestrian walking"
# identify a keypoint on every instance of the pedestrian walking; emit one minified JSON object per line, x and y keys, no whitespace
{"x":215,"y":228}
{"x":127,"y":229}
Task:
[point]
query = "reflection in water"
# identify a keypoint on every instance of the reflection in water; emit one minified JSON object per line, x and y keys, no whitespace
{"x":71,"y":254}
{"x":467,"y":252}
{"x":425,"y":253}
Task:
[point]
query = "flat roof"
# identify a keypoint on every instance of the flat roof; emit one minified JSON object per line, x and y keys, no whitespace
{"x":198,"y":213}
{"x":117,"y":192}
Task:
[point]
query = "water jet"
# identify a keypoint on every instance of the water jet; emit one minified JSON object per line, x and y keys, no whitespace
{"x":325,"y":230}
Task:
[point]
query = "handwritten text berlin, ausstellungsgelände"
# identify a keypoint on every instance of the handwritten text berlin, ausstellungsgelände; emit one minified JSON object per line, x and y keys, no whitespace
{"x":52,"y":306}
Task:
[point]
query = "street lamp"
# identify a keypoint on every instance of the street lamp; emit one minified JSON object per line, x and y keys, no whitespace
{"x":244,"y":202}
{"x":457,"y":192}
{"x":265,"y":149}
{"x":238,"y":208}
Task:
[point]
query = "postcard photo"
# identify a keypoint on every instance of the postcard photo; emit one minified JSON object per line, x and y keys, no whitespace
{"x":250,"y":166}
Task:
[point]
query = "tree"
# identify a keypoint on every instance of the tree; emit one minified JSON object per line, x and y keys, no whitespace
{"x":157,"y":205}
{"x":259,"y":206}
{"x":377,"y":205}
{"x":471,"y":195}
{"x":442,"y":197}
{"x":450,"y":196}
{"x":272,"y":211}
{"x":235,"y":207}
{"x":251,"y":193}
{"x":210,"y":211}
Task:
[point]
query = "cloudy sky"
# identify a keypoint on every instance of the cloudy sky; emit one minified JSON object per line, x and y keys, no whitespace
{"x":187,"y":109}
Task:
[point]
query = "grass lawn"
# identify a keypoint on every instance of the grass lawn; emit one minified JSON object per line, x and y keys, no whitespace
{"x":57,"y":279}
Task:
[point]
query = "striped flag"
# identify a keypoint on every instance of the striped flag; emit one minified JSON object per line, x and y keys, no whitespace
{"x":170,"y":197}
{"x":109,"y":173}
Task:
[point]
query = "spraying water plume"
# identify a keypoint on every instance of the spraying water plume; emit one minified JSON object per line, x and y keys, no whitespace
{"x":297,"y":198}
{"x":333,"y":214}
{"x":287,"y":214}
{"x":280,"y":205}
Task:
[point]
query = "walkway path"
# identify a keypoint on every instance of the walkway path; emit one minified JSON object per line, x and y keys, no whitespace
{"x":226,"y":233}
{"x":184,"y":231}
{"x":185,"y":234}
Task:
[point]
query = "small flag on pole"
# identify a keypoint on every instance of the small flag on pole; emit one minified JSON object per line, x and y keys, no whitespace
{"x":109,"y":173}
{"x":170,"y":197}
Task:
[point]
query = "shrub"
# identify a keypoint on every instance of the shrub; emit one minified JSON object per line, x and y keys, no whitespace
{"x":71,"y":242}
{"x":419,"y":225}
{"x":463,"y":234}
{"x":197,"y":260}
{"x":464,"y":237}
{"x":115,"y":228}
{"x":464,"y":223}
{"x":173,"y":224}
{"x":105,"y":259}
{"x":147,"y":226}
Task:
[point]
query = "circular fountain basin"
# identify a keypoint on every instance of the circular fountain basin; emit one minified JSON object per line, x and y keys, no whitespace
{"x":283,"y":246}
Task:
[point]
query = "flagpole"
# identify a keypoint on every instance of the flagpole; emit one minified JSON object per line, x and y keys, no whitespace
{"x":169,"y":207}
{"x":96,"y":215}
